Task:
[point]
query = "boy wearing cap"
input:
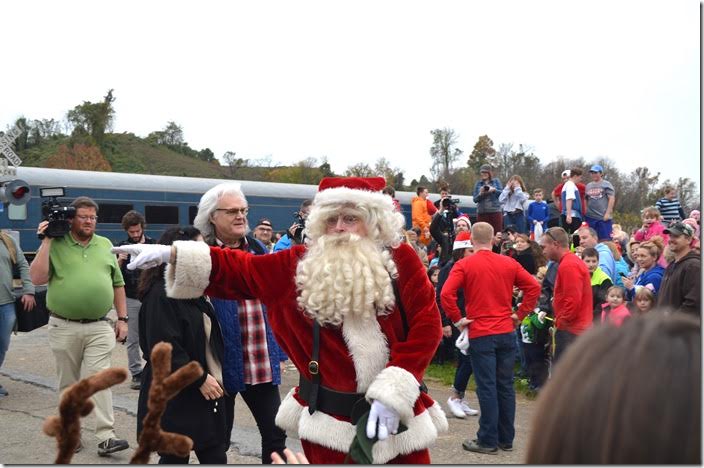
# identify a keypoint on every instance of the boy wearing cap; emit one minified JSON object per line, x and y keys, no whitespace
{"x":680,"y":288}
{"x":600,"y":198}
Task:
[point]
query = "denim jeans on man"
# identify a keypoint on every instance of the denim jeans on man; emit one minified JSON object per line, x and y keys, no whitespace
{"x":7,"y":323}
{"x":463,"y":372}
{"x":493,"y":357}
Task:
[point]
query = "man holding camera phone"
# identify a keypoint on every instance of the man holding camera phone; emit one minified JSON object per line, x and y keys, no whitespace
{"x":84,"y":281}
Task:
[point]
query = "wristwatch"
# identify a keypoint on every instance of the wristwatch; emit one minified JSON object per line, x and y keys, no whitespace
{"x":124,"y":319}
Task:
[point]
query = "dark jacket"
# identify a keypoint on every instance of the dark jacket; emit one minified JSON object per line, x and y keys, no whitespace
{"x":131,"y":277}
{"x":442,"y":277}
{"x":233,"y":359}
{"x":680,"y":288}
{"x":180,"y":322}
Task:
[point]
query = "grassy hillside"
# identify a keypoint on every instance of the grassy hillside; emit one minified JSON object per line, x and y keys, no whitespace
{"x":127,"y":152}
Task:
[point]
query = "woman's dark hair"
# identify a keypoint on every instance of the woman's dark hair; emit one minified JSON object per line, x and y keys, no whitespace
{"x":432,"y":270}
{"x":597,"y":411}
{"x":148,"y":277}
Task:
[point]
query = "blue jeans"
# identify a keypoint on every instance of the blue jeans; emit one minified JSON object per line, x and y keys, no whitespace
{"x":603,"y":228}
{"x":493,"y":357}
{"x":463,"y":372}
{"x":518,"y":220}
{"x":7,"y":323}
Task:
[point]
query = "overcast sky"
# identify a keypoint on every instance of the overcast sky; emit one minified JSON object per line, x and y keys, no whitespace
{"x":358,"y":80}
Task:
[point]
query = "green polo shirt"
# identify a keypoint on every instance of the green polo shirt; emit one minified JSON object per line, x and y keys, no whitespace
{"x":82,"y":278}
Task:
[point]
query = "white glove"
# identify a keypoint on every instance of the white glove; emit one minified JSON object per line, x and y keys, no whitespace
{"x":387,"y":418}
{"x":145,"y":255}
{"x":462,"y":342}
{"x":541,"y":316}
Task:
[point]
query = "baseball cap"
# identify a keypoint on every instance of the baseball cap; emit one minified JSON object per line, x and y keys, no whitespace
{"x":263,"y":222}
{"x":679,"y":228}
{"x":566,"y":173}
{"x":596,"y":168}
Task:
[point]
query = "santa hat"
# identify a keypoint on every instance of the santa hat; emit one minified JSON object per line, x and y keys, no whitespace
{"x":462,"y":241}
{"x":464,"y":217}
{"x":361,"y":191}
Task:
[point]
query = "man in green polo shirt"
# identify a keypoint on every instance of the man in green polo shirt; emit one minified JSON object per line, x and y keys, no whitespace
{"x":84,"y":281}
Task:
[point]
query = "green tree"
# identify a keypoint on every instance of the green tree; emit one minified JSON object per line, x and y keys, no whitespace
{"x":360,"y":170}
{"x":443,"y":152}
{"x":92,"y":119}
{"x":483,"y":153}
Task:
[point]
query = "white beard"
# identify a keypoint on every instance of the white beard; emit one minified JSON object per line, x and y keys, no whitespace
{"x":345,"y":275}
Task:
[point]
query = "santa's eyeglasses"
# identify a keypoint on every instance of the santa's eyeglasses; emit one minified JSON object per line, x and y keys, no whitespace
{"x":347,"y":220}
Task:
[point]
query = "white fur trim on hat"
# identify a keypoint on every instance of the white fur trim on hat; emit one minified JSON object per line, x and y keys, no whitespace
{"x":190,"y":275}
{"x":462,"y":244}
{"x":396,"y":388}
{"x":344,"y":195}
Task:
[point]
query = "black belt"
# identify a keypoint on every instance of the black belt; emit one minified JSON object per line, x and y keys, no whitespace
{"x":78,"y":320}
{"x":330,"y":401}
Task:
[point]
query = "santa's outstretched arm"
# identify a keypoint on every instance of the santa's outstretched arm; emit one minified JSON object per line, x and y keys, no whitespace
{"x":194,"y":269}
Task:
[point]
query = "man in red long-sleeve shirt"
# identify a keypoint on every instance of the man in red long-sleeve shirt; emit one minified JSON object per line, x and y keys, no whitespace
{"x":488,"y":280}
{"x":572,"y":296}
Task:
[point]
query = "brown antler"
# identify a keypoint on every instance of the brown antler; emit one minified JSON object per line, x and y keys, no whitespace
{"x":75,"y":403}
{"x":163,"y":388}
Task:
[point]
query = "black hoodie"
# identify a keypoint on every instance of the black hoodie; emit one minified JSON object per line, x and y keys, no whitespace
{"x":680,"y":288}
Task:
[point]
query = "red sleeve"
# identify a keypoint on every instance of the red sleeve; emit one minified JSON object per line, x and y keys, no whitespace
{"x":241,"y":275}
{"x":424,"y":325}
{"x":431,"y":207}
{"x":568,"y":305}
{"x":531,"y":292}
{"x":448,"y":295}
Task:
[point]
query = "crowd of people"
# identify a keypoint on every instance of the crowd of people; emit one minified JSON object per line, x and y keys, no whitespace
{"x":360,"y":304}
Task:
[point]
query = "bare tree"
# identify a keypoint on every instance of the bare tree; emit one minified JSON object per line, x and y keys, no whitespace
{"x":443,"y":152}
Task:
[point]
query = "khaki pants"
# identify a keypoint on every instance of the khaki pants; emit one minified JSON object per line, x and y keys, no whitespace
{"x":90,"y":344}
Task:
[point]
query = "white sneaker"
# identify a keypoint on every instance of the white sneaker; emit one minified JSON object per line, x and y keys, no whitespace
{"x":455,"y":406}
{"x":467,"y":410}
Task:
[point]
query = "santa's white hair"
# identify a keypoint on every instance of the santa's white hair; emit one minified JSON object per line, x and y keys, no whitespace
{"x":343,"y":274}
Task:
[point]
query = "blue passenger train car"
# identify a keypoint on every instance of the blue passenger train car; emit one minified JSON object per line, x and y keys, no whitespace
{"x":164,"y":200}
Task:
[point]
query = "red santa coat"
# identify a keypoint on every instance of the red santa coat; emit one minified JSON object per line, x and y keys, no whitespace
{"x":370,"y":357}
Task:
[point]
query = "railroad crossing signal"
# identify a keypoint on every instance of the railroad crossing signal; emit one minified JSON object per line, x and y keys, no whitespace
{"x":6,"y":145}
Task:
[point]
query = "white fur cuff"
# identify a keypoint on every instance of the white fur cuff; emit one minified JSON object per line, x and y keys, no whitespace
{"x":189,"y":277}
{"x":396,"y":388}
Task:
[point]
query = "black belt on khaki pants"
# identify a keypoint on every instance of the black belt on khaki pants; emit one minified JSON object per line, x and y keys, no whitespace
{"x":331,"y":401}
{"x":78,"y":320}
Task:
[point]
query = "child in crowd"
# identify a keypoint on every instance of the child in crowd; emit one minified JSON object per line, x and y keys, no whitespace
{"x":433,"y":274}
{"x":614,"y":310}
{"x":651,"y":225}
{"x":622,"y":268}
{"x":601,"y":283}
{"x":533,"y":347}
{"x":538,"y":212}
{"x":524,"y":253}
{"x":643,"y":301}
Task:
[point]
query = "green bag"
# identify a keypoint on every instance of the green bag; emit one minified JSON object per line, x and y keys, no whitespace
{"x":360,"y":451}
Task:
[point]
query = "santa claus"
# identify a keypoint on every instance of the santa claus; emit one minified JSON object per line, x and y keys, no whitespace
{"x":354,"y":310}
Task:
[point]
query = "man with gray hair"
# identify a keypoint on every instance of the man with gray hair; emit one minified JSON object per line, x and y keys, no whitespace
{"x":251,"y":362}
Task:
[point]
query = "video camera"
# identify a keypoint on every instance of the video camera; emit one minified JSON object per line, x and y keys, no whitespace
{"x":298,"y":236}
{"x":57,"y":213}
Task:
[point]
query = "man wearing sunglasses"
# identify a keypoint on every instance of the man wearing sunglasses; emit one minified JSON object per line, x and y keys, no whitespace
{"x":572,"y":295}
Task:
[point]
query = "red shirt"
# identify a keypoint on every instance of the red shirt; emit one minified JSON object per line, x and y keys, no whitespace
{"x":572,"y":297}
{"x":488,"y":280}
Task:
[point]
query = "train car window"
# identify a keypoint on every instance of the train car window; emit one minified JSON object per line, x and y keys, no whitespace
{"x":17,"y":212}
{"x":192,"y":212}
{"x":161,"y":214}
{"x":112,"y":212}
